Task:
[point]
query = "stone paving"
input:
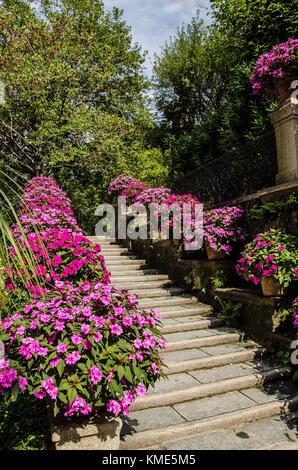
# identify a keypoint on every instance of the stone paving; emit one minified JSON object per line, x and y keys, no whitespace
{"x":222,"y":392}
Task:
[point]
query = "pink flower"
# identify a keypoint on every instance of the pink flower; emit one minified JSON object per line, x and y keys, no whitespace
{"x":95,"y":375}
{"x":85,"y":328}
{"x":116,"y":329}
{"x":73,"y":357}
{"x":141,"y":391}
{"x":23,"y":383}
{"x":114,"y":407}
{"x":61,"y":348}
{"x":76,"y":339}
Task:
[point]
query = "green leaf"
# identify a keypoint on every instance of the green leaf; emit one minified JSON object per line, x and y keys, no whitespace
{"x":61,"y":367}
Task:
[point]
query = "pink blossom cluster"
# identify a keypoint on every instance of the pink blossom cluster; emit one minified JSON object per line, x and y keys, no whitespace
{"x":280,"y":62}
{"x":59,"y":249}
{"x":45,"y":206}
{"x":221,"y":228}
{"x":71,"y":338}
{"x":70,"y":329}
{"x":271,"y":254}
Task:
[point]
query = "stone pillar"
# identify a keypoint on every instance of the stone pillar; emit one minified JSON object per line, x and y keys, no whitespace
{"x":285,"y":122}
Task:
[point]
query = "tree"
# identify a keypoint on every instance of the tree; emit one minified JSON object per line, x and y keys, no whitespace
{"x":202,"y":79}
{"x":75,"y":91}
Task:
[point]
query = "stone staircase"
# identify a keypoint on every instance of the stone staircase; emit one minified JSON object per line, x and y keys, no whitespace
{"x":222,"y":391}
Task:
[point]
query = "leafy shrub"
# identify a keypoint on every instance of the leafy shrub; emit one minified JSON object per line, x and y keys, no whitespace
{"x":271,"y":254}
{"x":84,"y":347}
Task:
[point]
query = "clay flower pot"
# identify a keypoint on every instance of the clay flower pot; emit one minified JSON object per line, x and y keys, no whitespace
{"x":283,"y":87}
{"x":212,"y":254}
{"x":272,"y":288}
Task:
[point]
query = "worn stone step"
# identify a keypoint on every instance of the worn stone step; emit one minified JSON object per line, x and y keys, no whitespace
{"x":199,"y":359}
{"x":192,"y":389}
{"x":124,"y":262}
{"x":184,"y":311}
{"x":164,"y":301}
{"x":143,"y":285}
{"x":277,"y":433}
{"x":141,"y":278}
{"x":119,"y":256}
{"x":161,"y":425}
{"x":100,"y":240}
{"x":129,"y":272}
{"x":154,"y":293}
{"x":198,"y":342}
{"x":131,"y":268}
{"x":179,"y":326}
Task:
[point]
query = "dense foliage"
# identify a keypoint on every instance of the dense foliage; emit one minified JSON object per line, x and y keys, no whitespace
{"x":203,"y":92}
{"x":80,"y":342}
{"x":271,"y":254}
{"x":75,"y":105}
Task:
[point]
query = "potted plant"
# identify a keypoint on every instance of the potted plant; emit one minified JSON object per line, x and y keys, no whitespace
{"x":89,"y":350}
{"x":221,"y":230}
{"x":270,"y":259}
{"x":275,"y":71}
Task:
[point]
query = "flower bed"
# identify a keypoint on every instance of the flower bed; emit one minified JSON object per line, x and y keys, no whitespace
{"x":220,"y":225}
{"x":79,"y":342}
{"x":281,"y":62}
{"x":86,"y":348}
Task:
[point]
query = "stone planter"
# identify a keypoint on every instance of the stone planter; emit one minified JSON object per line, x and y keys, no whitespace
{"x":272,"y":288}
{"x":213,"y":254}
{"x":283,"y":87}
{"x":90,"y":433}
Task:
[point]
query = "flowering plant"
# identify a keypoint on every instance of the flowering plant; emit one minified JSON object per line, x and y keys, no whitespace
{"x":59,"y":254}
{"x":221,"y":228}
{"x":280,"y":62}
{"x":44,"y":206}
{"x":86,"y":348}
{"x":271,"y":254}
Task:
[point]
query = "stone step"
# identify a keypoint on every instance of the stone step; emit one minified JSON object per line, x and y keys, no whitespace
{"x":125,"y":262}
{"x":184,"y":311}
{"x":129,"y":272}
{"x":154,"y":293}
{"x":275,"y":433}
{"x":100,"y":240}
{"x":143,"y":285}
{"x":191,"y":389}
{"x":179,"y":326}
{"x":132,"y":268}
{"x":119,"y":256}
{"x":140,"y":278}
{"x":202,"y":359}
{"x":165,"y":424}
{"x":164,"y":301}
{"x":201,"y":341}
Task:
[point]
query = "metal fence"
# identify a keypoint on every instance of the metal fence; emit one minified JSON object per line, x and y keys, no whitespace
{"x":243,"y":171}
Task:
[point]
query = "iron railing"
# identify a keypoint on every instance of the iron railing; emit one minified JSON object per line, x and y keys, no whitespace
{"x":245,"y":170}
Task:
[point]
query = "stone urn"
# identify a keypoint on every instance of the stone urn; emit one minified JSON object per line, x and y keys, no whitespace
{"x":212,"y":254}
{"x":272,"y":288}
{"x":85,"y":433}
{"x":283,"y":87}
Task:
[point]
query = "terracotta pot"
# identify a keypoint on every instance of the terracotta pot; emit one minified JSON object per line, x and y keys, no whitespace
{"x":213,"y":254}
{"x":272,"y":288}
{"x":283,"y":87}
